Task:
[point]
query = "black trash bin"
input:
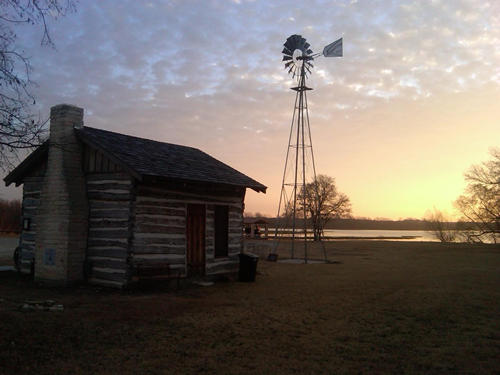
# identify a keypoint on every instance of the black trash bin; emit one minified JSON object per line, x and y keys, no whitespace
{"x":248,"y":266}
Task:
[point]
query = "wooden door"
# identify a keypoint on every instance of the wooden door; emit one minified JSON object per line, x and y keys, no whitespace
{"x":195,"y":233}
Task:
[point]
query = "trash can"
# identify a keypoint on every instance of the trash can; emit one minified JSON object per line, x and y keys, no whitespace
{"x":248,"y":267}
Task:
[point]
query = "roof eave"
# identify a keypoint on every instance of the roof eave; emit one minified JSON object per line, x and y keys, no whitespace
{"x":33,"y":159}
{"x":259,"y":189}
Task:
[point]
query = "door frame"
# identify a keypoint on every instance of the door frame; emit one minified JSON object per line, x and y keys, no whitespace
{"x":195,"y":239}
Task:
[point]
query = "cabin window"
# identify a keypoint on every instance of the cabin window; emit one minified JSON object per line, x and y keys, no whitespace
{"x":221,"y":231}
{"x":26,"y":223}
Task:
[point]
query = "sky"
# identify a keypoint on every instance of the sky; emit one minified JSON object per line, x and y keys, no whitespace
{"x":411,"y":105}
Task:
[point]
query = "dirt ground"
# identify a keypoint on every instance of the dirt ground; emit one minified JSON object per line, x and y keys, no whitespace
{"x":380,"y":307}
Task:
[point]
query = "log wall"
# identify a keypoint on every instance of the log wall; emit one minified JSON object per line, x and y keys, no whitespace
{"x":229,"y":264}
{"x":159,"y":233}
{"x":32,"y":188}
{"x":110,"y":221}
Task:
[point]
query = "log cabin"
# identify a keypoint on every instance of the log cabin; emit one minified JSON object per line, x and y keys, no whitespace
{"x":108,"y":208}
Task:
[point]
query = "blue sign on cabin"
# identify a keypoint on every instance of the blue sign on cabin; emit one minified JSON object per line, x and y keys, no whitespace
{"x":49,"y":257}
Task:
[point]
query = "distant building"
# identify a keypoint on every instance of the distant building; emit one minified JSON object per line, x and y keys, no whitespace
{"x":102,"y":206}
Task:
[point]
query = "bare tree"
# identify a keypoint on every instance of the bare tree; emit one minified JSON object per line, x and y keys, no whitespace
{"x":440,"y":226}
{"x":19,"y":127}
{"x":10,"y":215}
{"x":324,"y":202}
{"x":480,"y":203}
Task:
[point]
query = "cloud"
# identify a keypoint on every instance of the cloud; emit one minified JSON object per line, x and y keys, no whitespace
{"x":183,"y":71}
{"x":202,"y":48}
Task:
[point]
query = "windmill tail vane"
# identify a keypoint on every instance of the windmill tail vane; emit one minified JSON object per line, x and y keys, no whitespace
{"x":333,"y":49}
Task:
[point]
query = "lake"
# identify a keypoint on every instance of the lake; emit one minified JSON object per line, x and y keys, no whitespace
{"x":375,"y":234}
{"x":395,"y":235}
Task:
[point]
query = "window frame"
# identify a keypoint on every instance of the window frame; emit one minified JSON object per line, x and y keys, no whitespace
{"x":221,"y":223}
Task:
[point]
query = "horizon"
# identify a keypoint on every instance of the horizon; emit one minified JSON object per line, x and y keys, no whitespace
{"x":396,"y":121}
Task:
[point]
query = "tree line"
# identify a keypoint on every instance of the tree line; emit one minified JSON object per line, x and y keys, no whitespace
{"x":363,"y":223}
{"x":10,"y":215}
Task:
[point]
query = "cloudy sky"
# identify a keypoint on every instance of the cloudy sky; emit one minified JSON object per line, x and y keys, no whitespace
{"x":411,"y":105}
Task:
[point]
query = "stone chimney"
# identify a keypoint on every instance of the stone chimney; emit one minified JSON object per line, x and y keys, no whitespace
{"x":61,"y":239}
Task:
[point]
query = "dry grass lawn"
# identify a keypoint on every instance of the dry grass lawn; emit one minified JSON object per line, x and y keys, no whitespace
{"x":385,"y":307}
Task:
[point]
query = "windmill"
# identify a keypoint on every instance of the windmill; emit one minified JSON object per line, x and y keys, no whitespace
{"x":299,"y":170}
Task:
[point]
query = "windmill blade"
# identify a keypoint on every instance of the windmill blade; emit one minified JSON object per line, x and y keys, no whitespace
{"x":309,"y":51}
{"x":306,"y":45}
{"x":286,"y":58}
{"x":333,"y":49}
{"x":291,"y":68}
{"x":286,"y":51}
{"x":288,"y":64}
{"x":291,"y":42}
{"x":295,"y":42}
{"x":288,"y":44}
{"x":300,"y":43}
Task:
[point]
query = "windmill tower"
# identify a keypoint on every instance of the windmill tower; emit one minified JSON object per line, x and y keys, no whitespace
{"x":299,"y":174}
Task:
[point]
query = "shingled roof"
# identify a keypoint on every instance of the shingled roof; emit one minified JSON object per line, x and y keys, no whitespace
{"x":145,"y":157}
{"x":152,"y":158}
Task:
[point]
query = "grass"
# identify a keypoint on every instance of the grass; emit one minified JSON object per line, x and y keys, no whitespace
{"x":385,"y":307}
